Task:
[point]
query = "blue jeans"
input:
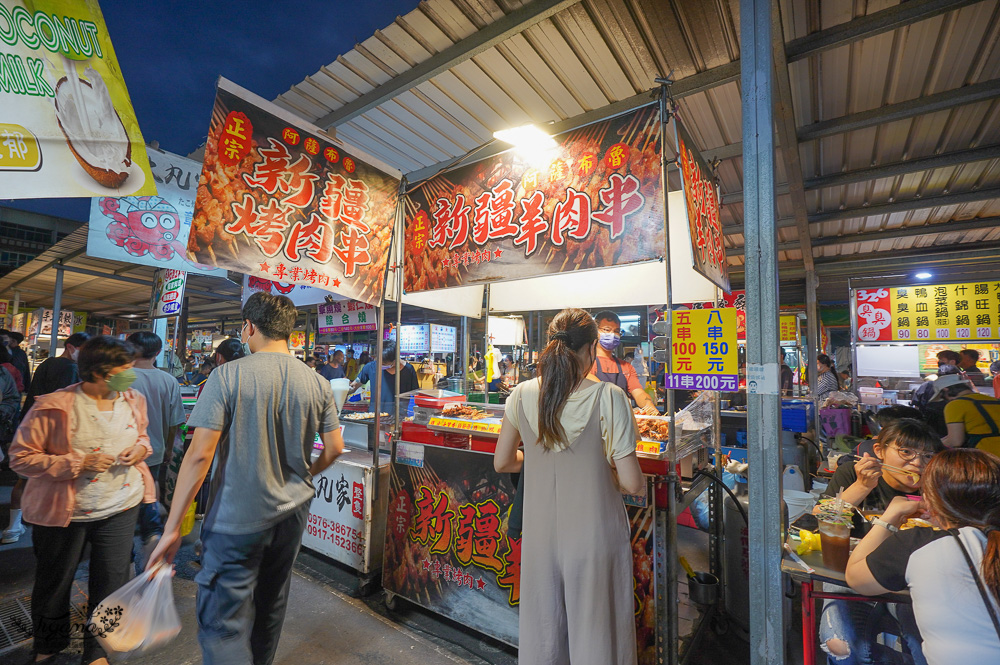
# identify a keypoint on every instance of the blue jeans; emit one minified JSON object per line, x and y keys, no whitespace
{"x":859,"y":624}
{"x":150,"y":522}
{"x":243,"y":591}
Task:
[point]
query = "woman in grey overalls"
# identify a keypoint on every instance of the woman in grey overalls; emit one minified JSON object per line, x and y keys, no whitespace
{"x":576,"y":561}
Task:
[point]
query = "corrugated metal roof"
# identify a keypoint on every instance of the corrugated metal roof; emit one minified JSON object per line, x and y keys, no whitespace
{"x":599,"y":52}
{"x":101,"y":296}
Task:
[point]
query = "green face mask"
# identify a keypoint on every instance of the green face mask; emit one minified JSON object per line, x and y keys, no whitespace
{"x":121,"y":381}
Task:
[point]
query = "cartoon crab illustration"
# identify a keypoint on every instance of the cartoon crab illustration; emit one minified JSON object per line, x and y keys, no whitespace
{"x":150,"y":225}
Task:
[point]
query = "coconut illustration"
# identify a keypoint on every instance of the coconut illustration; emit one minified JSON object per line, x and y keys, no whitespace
{"x":93,"y":129}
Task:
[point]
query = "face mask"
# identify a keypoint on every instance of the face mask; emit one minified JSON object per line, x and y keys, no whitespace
{"x":74,"y":355}
{"x":245,"y":343}
{"x":387,"y":366}
{"x":610,"y":341}
{"x":121,"y":381}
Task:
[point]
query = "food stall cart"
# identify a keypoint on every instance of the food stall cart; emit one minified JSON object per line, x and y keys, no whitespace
{"x":347,"y":516}
{"x":447,"y":547}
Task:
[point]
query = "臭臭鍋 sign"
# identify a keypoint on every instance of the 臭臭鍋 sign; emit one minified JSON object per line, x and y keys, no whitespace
{"x":943,"y":312}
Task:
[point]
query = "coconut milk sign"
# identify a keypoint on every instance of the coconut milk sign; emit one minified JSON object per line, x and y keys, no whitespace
{"x":168,"y":293}
{"x":150,"y":230}
{"x":67,"y":127}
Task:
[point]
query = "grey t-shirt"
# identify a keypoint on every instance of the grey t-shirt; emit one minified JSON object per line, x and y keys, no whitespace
{"x":269,"y":407}
{"x":163,"y":406}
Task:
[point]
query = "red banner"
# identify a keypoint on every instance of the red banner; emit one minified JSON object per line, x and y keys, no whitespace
{"x":593,"y":201}
{"x":280,"y":202}
{"x":701,"y":201}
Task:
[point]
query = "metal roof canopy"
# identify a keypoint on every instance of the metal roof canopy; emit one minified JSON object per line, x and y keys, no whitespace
{"x":107,"y":288}
{"x":894,"y":107}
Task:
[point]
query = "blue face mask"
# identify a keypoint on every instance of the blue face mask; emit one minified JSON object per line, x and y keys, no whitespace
{"x":610,"y":341}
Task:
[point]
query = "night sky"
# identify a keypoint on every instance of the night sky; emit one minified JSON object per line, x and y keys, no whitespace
{"x":171,"y":54}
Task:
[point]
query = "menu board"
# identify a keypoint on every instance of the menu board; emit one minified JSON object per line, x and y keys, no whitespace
{"x":415,"y":339}
{"x":788,"y":328}
{"x":347,"y":316}
{"x":947,"y":312}
{"x":444,"y":339}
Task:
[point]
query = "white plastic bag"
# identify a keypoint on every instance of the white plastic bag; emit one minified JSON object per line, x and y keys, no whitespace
{"x":138,"y":617}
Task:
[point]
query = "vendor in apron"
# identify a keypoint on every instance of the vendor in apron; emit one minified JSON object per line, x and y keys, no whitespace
{"x":612,"y":370}
{"x":973,"y":418}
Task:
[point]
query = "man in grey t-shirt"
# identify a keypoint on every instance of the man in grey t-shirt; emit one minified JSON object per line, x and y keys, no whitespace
{"x":262,"y":413}
{"x":166,"y":414}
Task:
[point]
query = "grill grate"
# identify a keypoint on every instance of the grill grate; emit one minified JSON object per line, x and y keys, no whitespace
{"x":15,"y":622}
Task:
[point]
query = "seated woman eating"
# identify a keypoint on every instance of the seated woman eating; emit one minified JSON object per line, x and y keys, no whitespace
{"x":848,"y":631}
{"x":952,"y":572}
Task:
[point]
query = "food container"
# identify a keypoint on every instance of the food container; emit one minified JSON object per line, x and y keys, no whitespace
{"x":703,"y":588}
{"x":435,"y":399}
{"x":654,"y":431}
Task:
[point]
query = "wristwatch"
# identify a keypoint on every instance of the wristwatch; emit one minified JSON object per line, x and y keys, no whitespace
{"x":878,"y":521}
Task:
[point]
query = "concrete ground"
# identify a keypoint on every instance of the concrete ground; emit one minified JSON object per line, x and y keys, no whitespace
{"x":327,"y":622}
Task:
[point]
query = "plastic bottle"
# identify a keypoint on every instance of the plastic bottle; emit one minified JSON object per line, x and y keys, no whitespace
{"x":792,"y":479}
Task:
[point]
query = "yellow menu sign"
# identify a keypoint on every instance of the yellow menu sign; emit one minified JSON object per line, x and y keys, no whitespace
{"x":467,"y":425}
{"x":704,"y":351}
{"x":788,"y":328}
{"x":942,"y":312}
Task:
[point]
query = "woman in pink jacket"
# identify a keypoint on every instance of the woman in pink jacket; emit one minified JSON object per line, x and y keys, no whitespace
{"x":81,"y":449}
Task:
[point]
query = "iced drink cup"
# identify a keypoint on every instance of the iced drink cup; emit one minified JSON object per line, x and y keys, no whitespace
{"x":340,"y":389}
{"x":835,"y":540}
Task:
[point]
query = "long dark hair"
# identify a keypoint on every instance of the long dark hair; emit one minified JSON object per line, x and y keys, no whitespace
{"x":230,"y":349}
{"x":962,"y":486}
{"x":824,"y":359}
{"x":560,"y":370}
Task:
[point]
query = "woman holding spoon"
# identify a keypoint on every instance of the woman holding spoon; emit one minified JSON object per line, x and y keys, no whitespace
{"x":901,"y":453}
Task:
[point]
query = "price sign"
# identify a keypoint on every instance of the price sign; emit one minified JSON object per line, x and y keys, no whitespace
{"x":943,"y":312}
{"x":704,"y":355}
{"x":168,"y":293}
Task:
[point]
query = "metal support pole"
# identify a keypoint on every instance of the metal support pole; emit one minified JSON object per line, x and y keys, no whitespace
{"x":717,"y":531}
{"x":667,"y":624}
{"x":466,"y":355}
{"x":160,"y":330}
{"x":854,"y":338}
{"x":182,"y":324}
{"x":375,"y":403}
{"x":763,"y":410}
{"x":380,"y":334}
{"x":486,"y":349}
{"x":305,"y":344}
{"x":13,"y":308}
{"x":398,"y":276}
{"x":812,"y":345}
{"x":56,"y":310}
